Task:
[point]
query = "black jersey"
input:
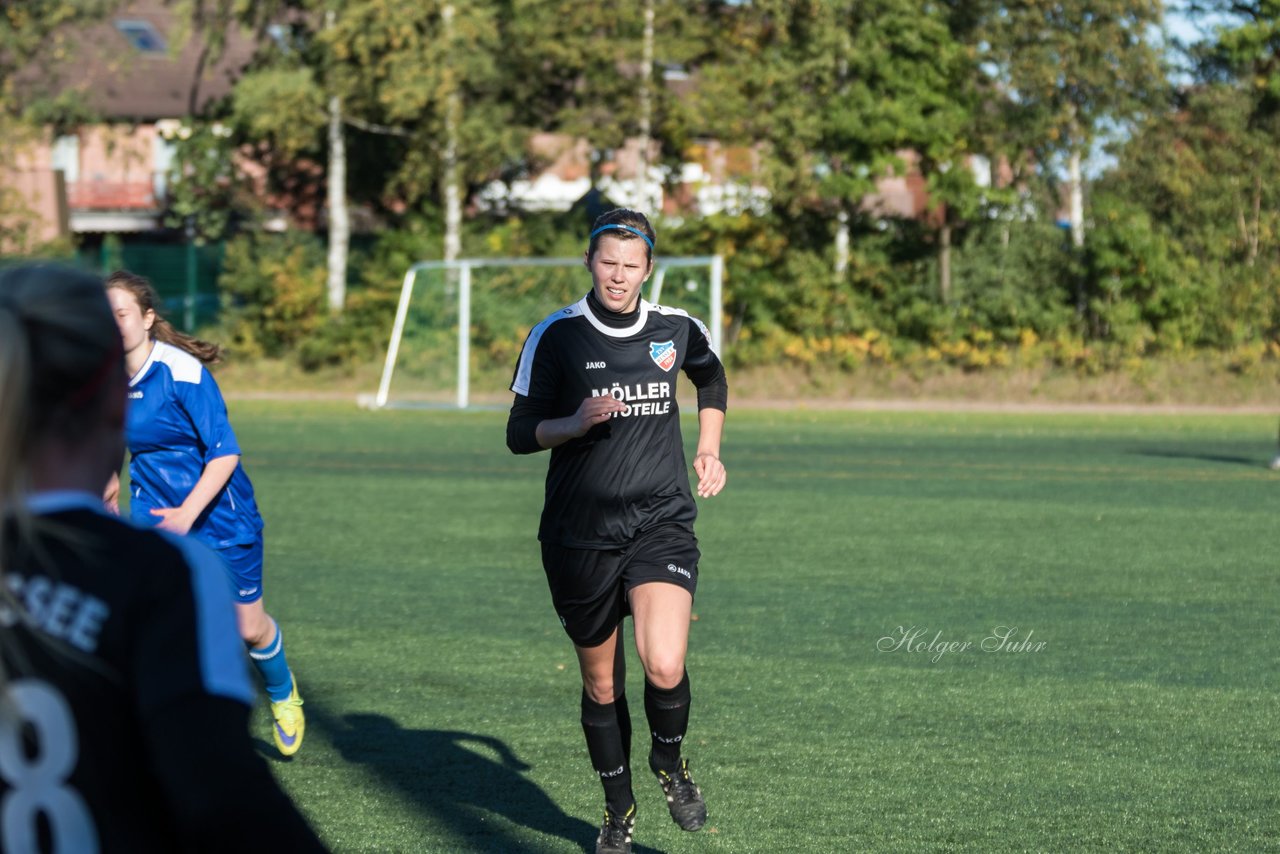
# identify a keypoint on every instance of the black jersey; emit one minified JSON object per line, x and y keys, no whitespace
{"x":128,"y":695}
{"x":629,"y":474}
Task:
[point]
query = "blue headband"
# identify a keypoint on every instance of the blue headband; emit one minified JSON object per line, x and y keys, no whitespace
{"x":615,"y":226}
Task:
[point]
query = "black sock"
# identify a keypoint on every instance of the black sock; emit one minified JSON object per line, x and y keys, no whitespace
{"x":620,"y":697}
{"x":608,"y":756}
{"x":668,"y":712}
{"x":623,"y":714}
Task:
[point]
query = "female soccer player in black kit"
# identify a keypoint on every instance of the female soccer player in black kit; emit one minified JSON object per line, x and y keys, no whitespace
{"x":596,"y":383}
{"x":124,"y":695}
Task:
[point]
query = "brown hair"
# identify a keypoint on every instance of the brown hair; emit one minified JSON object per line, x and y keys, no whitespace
{"x":161,"y":329}
{"x":623,"y":224}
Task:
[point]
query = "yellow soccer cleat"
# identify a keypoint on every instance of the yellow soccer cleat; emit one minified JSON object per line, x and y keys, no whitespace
{"x":290,"y":722}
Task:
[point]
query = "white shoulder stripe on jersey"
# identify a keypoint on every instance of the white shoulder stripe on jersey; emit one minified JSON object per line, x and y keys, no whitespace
{"x":185,"y":367}
{"x":680,"y":312}
{"x":524,"y":370}
{"x":222,"y":662}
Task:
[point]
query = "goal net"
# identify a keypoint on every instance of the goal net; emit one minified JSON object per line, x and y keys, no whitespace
{"x":460,"y":324}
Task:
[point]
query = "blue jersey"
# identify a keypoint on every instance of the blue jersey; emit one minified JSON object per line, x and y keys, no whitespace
{"x":177,"y":422}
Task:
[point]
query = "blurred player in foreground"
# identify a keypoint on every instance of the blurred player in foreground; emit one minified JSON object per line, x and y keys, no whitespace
{"x":124,"y":697}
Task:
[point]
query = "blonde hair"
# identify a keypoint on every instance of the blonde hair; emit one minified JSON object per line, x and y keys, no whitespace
{"x":161,"y":329}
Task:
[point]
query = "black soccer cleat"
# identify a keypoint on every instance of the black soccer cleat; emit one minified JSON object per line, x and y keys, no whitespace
{"x":684,"y":798}
{"x":615,"y":833}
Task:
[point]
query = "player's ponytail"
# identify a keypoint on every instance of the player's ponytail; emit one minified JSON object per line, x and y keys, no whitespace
{"x":161,"y":329}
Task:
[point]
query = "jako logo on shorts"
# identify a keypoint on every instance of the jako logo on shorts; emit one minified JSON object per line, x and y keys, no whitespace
{"x":679,"y":570}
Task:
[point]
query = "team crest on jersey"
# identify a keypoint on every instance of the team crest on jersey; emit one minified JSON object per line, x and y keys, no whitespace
{"x":663,"y":354}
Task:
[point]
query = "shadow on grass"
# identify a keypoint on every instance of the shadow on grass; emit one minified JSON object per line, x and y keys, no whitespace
{"x":1231,"y":459}
{"x":450,"y":776}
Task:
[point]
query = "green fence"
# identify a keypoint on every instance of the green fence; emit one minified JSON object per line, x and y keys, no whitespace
{"x":185,"y":277}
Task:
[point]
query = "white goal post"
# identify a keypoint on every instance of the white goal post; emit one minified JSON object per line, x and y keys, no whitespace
{"x":464,"y":268}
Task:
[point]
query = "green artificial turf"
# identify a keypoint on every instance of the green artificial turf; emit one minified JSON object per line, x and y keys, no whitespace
{"x":1132,"y":558}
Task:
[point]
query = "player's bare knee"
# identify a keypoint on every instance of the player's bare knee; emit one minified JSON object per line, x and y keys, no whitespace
{"x":599,"y":690}
{"x":664,"y":672}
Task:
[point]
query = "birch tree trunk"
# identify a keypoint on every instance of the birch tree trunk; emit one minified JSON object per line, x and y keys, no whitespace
{"x":1075,"y":188}
{"x":842,"y":243}
{"x":944,"y":261}
{"x":453,"y":117}
{"x":339,"y":216}
{"x":647,"y":202}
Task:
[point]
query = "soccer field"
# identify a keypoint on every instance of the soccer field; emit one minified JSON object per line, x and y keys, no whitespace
{"x":851,"y":688}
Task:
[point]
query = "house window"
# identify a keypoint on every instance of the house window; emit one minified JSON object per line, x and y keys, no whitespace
{"x":162,"y":154}
{"x":65,"y":156}
{"x":142,"y":35}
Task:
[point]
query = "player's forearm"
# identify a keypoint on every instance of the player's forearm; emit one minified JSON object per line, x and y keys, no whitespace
{"x":214,"y":477}
{"x":554,"y":432}
{"x":710,"y":428}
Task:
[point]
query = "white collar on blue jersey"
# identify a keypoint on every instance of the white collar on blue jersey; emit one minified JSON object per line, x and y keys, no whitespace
{"x":146,"y":366}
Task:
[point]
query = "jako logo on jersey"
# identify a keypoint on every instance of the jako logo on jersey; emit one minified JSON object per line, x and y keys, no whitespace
{"x":592,"y":366}
{"x":135,"y":395}
{"x":678,"y":570}
{"x":663,"y":354}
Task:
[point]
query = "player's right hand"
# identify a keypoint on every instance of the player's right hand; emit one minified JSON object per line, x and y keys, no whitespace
{"x":111,"y":495}
{"x":596,"y":410}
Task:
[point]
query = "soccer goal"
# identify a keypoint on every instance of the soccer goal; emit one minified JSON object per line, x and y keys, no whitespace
{"x":460,"y":324}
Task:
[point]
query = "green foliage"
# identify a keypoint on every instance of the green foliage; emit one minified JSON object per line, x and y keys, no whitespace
{"x":1067,"y":68}
{"x":820,"y":101}
{"x":207,"y":191}
{"x":274,"y":292}
{"x":1138,"y":294}
{"x":282,"y":106}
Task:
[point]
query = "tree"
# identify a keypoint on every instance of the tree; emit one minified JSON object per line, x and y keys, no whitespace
{"x":1207,"y":170}
{"x":398,"y":96}
{"x":1070,"y":70}
{"x":837,"y":91}
{"x":598,"y":73}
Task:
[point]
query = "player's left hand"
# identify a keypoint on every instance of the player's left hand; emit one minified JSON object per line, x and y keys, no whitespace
{"x":711,"y":474}
{"x":173,"y":520}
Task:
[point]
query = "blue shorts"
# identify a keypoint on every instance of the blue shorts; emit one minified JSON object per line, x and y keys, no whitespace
{"x":244,"y":570}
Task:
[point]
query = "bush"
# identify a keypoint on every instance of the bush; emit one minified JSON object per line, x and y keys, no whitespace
{"x":273,"y":288}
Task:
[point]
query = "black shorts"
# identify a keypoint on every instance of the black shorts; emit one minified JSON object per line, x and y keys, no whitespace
{"x":589,"y":587}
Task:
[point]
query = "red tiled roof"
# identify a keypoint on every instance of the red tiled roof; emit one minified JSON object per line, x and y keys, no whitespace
{"x":121,"y":82}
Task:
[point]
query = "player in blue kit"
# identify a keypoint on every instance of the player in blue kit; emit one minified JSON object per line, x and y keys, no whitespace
{"x":186,"y":476}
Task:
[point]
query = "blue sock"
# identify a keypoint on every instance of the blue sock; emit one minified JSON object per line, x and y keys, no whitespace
{"x":274,"y":669}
